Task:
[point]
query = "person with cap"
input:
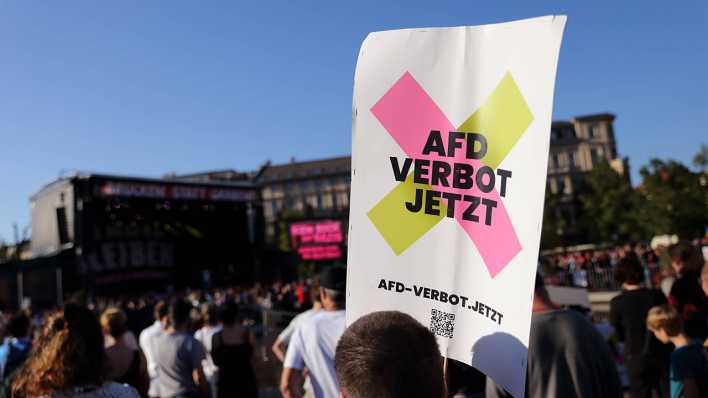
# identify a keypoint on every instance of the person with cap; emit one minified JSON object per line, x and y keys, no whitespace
{"x":313,"y":344}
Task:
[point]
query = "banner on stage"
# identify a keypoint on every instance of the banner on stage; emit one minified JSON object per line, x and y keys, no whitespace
{"x":451,"y":129}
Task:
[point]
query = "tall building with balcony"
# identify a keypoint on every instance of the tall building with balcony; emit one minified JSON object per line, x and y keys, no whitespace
{"x":577,"y":146}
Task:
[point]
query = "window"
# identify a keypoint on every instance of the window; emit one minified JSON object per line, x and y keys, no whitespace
{"x":594,"y":131}
{"x":342,"y":200}
{"x":269,"y":210}
{"x":595,"y":156}
{"x":573,"y":159}
{"x":578,"y":183}
{"x":327,"y":201}
{"x":560,"y":184}
{"x":313,"y":201}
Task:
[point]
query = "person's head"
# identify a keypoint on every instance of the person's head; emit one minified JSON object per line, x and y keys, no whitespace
{"x":388,"y":354}
{"x":19,"y":325}
{"x":315,"y":294}
{"x":540,"y":294}
{"x":333,"y":286}
{"x":114,"y":322}
{"x":160,"y":312}
{"x":665,"y":322}
{"x":209,"y":314}
{"x":629,"y":271}
{"x":69,"y":353}
{"x":178,"y":313}
{"x":704,"y":279}
{"x":228,"y":314}
{"x":681,"y":255}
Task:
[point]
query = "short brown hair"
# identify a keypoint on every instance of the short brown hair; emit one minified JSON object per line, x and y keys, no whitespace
{"x":160,"y":310}
{"x":629,"y":270}
{"x":665,"y":317}
{"x":114,"y":321}
{"x":388,"y":354}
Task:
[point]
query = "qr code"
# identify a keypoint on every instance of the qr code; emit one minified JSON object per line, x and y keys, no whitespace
{"x":442,"y":323}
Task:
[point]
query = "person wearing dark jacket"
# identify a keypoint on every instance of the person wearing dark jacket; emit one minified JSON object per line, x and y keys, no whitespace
{"x":647,"y":358}
{"x":567,"y":356}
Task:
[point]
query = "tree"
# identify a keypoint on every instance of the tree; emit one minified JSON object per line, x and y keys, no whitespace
{"x":608,"y":206}
{"x":3,"y":252}
{"x":284,"y":218}
{"x":673,"y":199}
{"x":553,"y":232}
{"x":700,"y":160}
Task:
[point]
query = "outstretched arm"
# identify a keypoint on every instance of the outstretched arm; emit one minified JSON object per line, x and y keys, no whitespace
{"x":290,"y":382}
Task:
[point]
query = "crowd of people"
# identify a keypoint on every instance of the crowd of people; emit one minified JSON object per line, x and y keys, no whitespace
{"x":593,"y":268}
{"x":203,"y":343}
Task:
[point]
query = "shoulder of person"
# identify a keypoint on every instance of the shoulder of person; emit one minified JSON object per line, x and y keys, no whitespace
{"x":619,"y":298}
{"x":217,"y":335}
{"x":566,"y":316}
{"x":118,"y":390}
{"x":319,"y":317}
{"x":308,"y":324}
{"x":194,"y":343}
{"x":658,"y":294}
{"x":326,"y":318}
{"x":147,"y":332}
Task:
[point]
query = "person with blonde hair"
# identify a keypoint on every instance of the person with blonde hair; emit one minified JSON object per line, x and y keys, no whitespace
{"x":688,"y":374}
{"x":125,"y":364}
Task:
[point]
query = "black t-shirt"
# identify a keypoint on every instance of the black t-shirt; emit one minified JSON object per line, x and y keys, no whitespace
{"x":690,"y":301}
{"x":628,"y":315}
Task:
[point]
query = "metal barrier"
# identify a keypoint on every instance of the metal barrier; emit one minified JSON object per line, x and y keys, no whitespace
{"x":602,"y":279}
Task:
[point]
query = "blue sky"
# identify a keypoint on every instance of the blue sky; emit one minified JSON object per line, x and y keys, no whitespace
{"x":145,"y":88}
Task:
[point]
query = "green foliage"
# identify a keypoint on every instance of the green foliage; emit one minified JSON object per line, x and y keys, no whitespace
{"x":284,"y":218}
{"x":3,"y":252}
{"x":673,"y":199}
{"x":608,"y":202}
{"x":700,"y":160}
{"x":553,"y":233}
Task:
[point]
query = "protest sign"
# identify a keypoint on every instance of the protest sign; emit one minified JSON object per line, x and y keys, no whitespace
{"x":451,"y":128}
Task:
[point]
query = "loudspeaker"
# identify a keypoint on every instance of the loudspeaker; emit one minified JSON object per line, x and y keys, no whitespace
{"x":62,"y":226}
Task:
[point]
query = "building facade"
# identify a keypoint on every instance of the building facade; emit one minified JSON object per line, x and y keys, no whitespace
{"x":311,"y":189}
{"x":320,"y":188}
{"x":577,"y":146}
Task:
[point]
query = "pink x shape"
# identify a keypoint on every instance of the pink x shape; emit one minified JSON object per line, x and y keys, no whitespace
{"x":408,"y":113}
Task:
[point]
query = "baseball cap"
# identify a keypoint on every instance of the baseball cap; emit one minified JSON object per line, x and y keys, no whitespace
{"x":334,"y":278}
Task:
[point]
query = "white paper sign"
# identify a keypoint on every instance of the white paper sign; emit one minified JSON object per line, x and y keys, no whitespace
{"x":450,"y":147}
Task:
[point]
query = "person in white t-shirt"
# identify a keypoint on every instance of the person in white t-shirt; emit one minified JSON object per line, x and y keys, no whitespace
{"x":314,"y":341}
{"x":283,"y":339}
{"x":204,"y":335}
{"x":147,"y":345}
